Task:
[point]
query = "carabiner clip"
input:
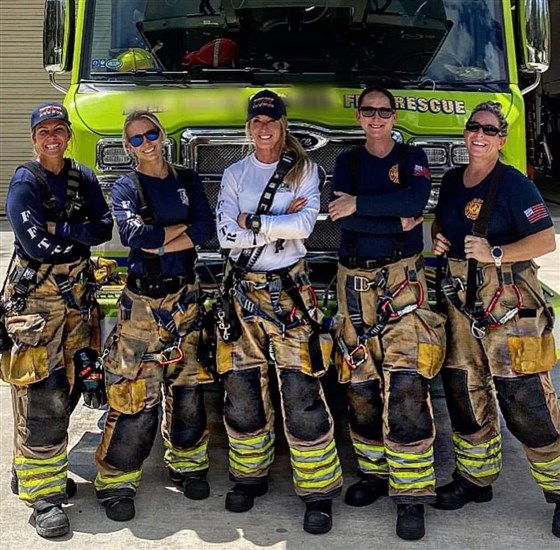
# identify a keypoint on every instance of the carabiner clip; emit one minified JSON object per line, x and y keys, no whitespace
{"x":170,"y":355}
{"x":361,"y":352}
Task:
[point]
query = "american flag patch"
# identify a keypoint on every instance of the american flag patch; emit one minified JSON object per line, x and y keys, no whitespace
{"x":422,"y":171}
{"x":536,"y":212}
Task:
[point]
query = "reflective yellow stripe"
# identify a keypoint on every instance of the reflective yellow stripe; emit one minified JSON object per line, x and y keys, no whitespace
{"x":183,"y":461}
{"x":38,"y":481}
{"x":319,"y":452}
{"x":257,"y":443}
{"x":47,"y":491}
{"x":413,"y":457}
{"x":369,"y":467}
{"x":35,"y":472}
{"x":320,"y":471}
{"x":250,"y":468}
{"x":320,"y":484}
{"x":480,"y":460}
{"x":126,"y":480}
{"x":547,"y":474}
{"x":23,"y":461}
{"x":407,"y":486}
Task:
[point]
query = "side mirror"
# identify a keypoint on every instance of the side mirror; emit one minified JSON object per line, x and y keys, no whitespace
{"x":58,"y":36}
{"x":534,"y":29}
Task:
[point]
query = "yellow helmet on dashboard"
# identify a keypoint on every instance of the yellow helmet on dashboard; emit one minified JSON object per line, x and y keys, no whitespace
{"x":135,"y":59}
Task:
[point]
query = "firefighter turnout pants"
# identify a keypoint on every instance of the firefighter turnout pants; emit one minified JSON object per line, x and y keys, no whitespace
{"x":248,"y":411}
{"x":515,"y":359}
{"x":148,"y":363}
{"x":391,"y":416}
{"x":40,"y":369}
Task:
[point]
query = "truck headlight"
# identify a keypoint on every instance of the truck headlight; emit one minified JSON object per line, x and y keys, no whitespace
{"x":437,"y":156}
{"x":459,"y":155}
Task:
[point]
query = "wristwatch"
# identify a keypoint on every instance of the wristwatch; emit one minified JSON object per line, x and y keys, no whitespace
{"x":497,"y":254}
{"x":253,"y":222}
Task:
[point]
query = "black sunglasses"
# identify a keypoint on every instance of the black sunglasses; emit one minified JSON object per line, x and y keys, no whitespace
{"x":487,"y":129}
{"x":138,"y":139}
{"x":383,"y":112}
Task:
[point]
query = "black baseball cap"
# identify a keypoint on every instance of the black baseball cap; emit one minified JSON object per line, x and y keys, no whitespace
{"x":49,"y":111}
{"x":266,"y":103}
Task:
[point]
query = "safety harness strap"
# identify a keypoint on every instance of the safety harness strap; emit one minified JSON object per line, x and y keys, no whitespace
{"x":75,"y":192}
{"x":480,"y":229}
{"x":228,"y":324}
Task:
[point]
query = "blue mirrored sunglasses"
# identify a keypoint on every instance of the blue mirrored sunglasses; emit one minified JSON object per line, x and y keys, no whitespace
{"x":138,"y":139}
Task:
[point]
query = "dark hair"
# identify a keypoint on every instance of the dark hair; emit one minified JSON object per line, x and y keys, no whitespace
{"x":494,"y":108}
{"x":379,"y":90}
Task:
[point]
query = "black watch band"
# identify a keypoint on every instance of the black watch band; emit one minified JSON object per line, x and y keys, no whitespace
{"x":253,"y":223}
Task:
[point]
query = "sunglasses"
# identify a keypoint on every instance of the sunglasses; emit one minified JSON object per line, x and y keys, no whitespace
{"x":383,"y":112}
{"x":138,"y":139}
{"x":487,"y":129}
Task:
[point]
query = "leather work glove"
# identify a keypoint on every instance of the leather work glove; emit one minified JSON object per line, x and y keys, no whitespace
{"x":90,"y":373}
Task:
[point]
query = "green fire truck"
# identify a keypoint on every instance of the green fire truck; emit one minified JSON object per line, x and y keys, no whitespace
{"x":196,"y":62}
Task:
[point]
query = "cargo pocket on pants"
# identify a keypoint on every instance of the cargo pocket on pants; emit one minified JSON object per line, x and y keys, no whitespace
{"x":126,"y":353}
{"x":127,"y":396}
{"x":28,"y":361}
{"x":532,"y":354}
{"x":431,"y":344}
{"x":316,"y":354}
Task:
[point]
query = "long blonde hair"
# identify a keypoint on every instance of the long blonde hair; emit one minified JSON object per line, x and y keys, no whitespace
{"x":290,"y":145}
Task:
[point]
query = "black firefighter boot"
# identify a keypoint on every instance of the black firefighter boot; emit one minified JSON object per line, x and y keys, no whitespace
{"x":50,"y":520}
{"x":195,"y":486}
{"x":459,"y":492}
{"x":318,"y":517}
{"x":366,"y":491}
{"x":556,"y":521}
{"x":241,"y":497}
{"x":410,"y":521}
{"x":120,"y":508}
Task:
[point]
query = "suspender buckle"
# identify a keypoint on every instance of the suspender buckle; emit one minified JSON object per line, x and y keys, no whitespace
{"x":361,"y":284}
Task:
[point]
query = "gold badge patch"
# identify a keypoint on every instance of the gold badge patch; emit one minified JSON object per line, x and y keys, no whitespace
{"x":394,"y":173}
{"x":472,"y":210}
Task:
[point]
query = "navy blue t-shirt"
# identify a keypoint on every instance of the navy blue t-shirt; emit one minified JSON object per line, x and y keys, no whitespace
{"x":27,"y":216}
{"x":519,"y":210}
{"x":382,"y":201}
{"x":174,"y":201}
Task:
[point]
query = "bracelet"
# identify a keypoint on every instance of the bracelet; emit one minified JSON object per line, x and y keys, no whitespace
{"x":161,"y":250}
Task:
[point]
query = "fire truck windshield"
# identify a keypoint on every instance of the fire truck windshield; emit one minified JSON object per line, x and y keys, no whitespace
{"x":452,"y":43}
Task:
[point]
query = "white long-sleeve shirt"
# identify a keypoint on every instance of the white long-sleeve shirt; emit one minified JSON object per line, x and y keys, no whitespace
{"x":242,"y":186}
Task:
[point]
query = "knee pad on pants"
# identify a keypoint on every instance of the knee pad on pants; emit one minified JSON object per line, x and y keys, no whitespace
{"x":523,"y":404}
{"x":305,"y":411}
{"x":366,"y":409}
{"x":409,"y":415}
{"x":189,"y":416}
{"x":243,"y":406}
{"x":455,"y":383}
{"x":132,"y":439}
{"x":48,"y":410}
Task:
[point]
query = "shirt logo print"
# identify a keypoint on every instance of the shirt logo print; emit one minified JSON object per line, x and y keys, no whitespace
{"x":183,"y":196}
{"x":472,"y":210}
{"x":394,"y":173}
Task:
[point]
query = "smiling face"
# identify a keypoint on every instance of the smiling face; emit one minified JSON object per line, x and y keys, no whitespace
{"x":481,"y":146}
{"x":376,"y":127}
{"x":147,"y":151}
{"x":50,"y":139}
{"x":268,"y":136}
